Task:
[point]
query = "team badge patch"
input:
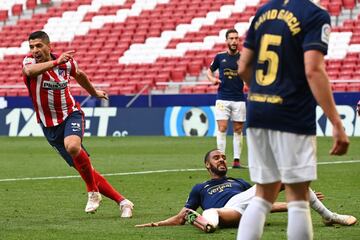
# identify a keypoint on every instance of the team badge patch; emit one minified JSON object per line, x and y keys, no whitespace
{"x":75,"y":127}
{"x":325,"y":33}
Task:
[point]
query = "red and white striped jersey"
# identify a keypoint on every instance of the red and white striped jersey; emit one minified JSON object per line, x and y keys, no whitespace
{"x":50,"y":92}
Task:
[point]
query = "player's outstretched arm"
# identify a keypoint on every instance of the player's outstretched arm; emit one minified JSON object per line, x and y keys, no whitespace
{"x":320,"y":87}
{"x":84,"y":82}
{"x":282,"y":206}
{"x":33,"y":70}
{"x":178,"y":219}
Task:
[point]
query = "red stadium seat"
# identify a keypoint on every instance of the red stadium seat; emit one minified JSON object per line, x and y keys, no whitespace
{"x":17,"y":9}
{"x":349,"y":4}
{"x":334,"y":8}
{"x":3,"y":15}
{"x":353,"y":87}
{"x":194,"y":68}
{"x":212,"y":89}
{"x":45,"y":1}
{"x":339,"y":87}
{"x":186,"y":89}
{"x":31,"y":4}
{"x":200,"y":89}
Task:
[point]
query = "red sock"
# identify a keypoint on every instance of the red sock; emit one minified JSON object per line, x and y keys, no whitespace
{"x":106,"y":189}
{"x":83,"y":166}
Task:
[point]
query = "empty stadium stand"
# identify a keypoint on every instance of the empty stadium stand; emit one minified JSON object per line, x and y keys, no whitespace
{"x":130,"y":45}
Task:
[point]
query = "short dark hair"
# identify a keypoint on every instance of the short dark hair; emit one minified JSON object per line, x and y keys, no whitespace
{"x":233,"y":30}
{"x":39,"y":35}
{"x":207,"y":155}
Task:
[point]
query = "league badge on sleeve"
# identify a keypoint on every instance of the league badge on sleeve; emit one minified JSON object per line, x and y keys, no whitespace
{"x":325,"y":33}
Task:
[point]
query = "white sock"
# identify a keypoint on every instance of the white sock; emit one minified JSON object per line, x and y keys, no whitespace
{"x":221,"y":141}
{"x":252,"y":221}
{"x":212,"y":216}
{"x":318,"y":206}
{"x":299,"y":221}
{"x":237,"y":144}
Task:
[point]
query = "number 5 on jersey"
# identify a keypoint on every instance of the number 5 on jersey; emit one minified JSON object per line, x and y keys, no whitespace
{"x":271,"y":57}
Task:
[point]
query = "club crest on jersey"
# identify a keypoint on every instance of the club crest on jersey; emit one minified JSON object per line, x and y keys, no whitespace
{"x":61,"y":72}
{"x":54,"y":85}
{"x":75,"y":127}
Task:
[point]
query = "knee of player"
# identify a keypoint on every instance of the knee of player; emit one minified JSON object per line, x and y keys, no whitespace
{"x":73,"y":149}
{"x":222,"y":128}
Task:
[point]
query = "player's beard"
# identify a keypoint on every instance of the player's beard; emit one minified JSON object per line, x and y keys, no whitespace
{"x":217,"y":171}
{"x":232,"y":48}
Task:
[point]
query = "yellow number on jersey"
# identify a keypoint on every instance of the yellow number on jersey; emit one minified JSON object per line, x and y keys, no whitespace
{"x":271,"y":57}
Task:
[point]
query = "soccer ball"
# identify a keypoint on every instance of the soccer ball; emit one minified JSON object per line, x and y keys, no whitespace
{"x":195,"y":122}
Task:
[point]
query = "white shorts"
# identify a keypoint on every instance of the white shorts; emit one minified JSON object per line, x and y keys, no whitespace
{"x":235,"y":111}
{"x":240,"y":201}
{"x":281,"y":156}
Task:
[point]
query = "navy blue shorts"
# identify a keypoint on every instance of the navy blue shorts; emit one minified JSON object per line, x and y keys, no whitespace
{"x":73,"y":125}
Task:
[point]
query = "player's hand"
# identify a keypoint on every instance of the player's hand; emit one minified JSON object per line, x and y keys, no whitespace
{"x":320,"y":196}
{"x":216,"y":81}
{"x":152,"y":224}
{"x":341,"y":141}
{"x":101,"y":94}
{"x":65,"y":57}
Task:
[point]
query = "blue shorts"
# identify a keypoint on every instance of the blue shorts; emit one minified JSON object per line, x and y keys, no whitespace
{"x":73,"y":125}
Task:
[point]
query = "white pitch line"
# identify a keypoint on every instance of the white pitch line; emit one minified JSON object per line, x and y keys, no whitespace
{"x":338,"y":162}
{"x":105,"y":174}
{"x":147,"y":172}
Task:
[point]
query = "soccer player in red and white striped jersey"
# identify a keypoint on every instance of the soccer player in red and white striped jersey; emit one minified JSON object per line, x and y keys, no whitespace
{"x":47,"y":77}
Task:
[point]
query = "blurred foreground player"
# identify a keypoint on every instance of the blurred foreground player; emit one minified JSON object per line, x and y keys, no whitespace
{"x":47,"y":77}
{"x":283,"y":63}
{"x":224,"y":200}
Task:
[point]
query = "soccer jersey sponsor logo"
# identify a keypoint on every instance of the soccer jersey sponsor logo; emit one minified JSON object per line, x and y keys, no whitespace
{"x":218,"y":188}
{"x":54,"y":85}
{"x":230,"y":73}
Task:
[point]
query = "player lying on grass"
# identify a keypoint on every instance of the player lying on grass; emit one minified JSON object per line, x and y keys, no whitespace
{"x":224,"y":200}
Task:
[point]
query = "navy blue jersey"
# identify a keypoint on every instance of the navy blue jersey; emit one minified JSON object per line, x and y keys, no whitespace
{"x":215,"y":193}
{"x":280,"y":33}
{"x":231,"y":87}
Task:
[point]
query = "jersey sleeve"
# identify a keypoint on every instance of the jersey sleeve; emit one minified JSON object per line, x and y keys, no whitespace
{"x":317,"y":32}
{"x":193,"y":201}
{"x":215,"y":63}
{"x":28,"y":60}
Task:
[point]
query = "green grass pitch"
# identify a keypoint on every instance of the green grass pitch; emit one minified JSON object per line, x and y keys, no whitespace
{"x":47,"y":209}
